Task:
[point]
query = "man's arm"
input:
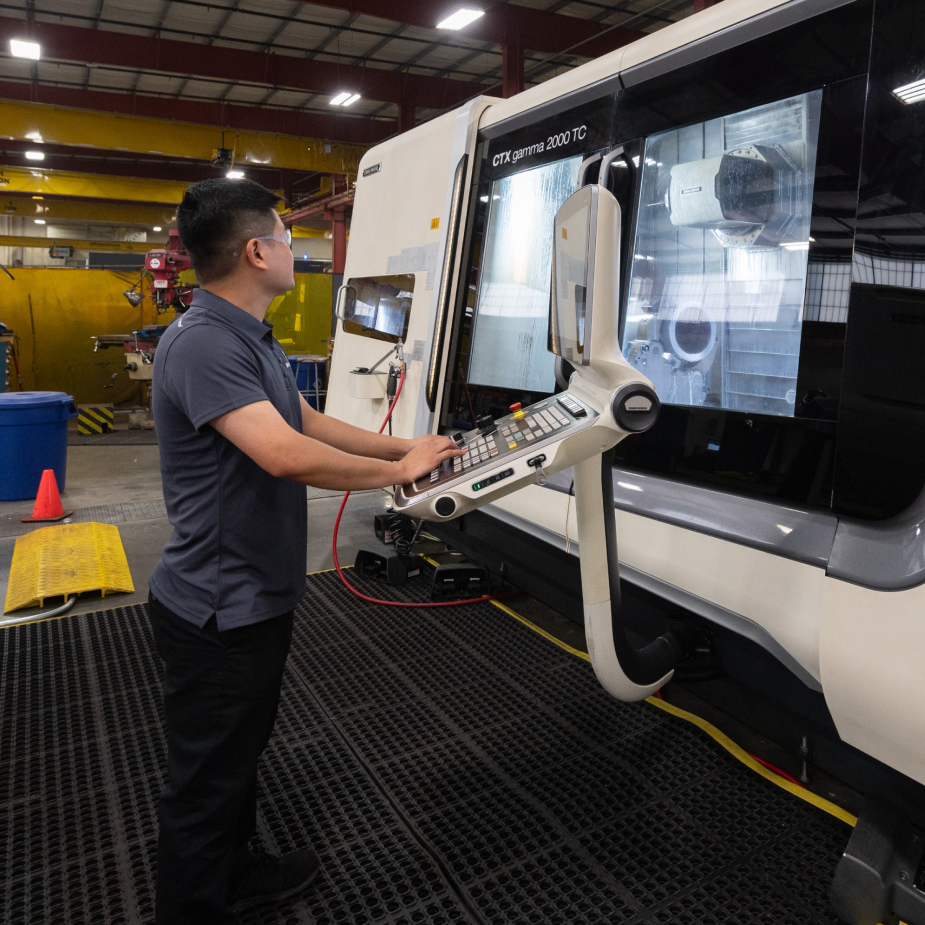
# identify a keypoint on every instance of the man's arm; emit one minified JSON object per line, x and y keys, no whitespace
{"x":351,"y":439}
{"x":261,"y":432}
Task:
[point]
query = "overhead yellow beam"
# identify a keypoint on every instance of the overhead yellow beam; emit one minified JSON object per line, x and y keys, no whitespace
{"x":120,"y":247}
{"x":61,"y":125}
{"x":298,"y":232}
{"x":73,"y":210}
{"x":91,"y":186}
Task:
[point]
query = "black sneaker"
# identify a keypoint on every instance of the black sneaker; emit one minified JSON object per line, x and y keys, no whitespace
{"x":271,"y":878}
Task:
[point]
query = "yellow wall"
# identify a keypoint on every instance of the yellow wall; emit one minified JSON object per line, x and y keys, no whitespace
{"x":55,"y":312}
{"x":301,"y":319}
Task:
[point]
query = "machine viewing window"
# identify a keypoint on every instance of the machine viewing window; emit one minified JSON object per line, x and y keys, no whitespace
{"x":715,"y":306}
{"x":379,"y":306}
{"x":509,"y":342}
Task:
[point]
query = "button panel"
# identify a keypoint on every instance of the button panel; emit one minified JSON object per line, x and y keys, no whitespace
{"x":571,"y":405}
{"x":517,"y":433}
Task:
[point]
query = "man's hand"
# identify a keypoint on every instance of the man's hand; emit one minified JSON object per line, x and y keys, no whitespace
{"x":435,"y":441}
{"x":426,"y":453}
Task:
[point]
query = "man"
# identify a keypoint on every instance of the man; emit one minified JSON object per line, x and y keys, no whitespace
{"x":238,"y":443}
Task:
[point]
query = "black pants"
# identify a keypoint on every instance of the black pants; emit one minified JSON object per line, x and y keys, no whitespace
{"x":221,"y":695}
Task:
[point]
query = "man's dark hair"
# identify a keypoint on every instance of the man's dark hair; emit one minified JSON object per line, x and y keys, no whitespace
{"x":217,"y":216}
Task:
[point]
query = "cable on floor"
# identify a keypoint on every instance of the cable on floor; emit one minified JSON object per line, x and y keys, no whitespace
{"x":340,"y":574}
{"x":765,"y":769}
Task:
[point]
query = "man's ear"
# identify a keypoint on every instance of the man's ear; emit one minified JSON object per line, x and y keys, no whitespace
{"x":254,"y":252}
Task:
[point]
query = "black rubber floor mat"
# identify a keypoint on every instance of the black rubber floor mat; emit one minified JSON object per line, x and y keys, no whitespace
{"x":448,"y":766}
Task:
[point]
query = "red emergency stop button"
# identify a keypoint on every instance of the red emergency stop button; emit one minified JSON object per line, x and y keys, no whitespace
{"x":515,"y":406}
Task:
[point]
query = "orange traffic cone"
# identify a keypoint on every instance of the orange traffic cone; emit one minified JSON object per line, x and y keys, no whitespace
{"x":47,"y":501}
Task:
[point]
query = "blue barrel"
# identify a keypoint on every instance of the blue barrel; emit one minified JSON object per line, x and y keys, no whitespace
{"x":33,"y":437}
{"x":309,"y":376}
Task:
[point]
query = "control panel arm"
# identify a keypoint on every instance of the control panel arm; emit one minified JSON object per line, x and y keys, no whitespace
{"x":626,"y":672}
{"x":607,"y":399}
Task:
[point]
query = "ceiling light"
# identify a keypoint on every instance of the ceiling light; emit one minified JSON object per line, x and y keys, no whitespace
{"x":911,"y":93}
{"x":35,"y":155}
{"x":460,"y":19}
{"x":157,"y":228}
{"x":40,"y":221}
{"x":235,"y":175}
{"x":345,"y":99}
{"x":20,"y":49}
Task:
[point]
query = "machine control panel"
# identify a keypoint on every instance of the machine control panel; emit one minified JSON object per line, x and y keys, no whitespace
{"x":493,"y":444}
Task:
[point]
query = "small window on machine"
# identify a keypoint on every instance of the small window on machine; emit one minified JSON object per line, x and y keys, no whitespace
{"x":379,"y":306}
{"x":719,"y":262}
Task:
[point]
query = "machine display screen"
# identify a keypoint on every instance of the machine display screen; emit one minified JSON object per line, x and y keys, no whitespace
{"x":379,"y":306}
{"x":715,"y":306}
{"x":509,"y":340}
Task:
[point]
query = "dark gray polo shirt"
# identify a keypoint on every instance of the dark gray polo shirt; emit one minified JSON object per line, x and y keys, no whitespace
{"x":239,"y":534}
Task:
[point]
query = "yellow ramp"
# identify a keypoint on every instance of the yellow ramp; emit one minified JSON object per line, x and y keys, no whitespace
{"x":66,"y":559}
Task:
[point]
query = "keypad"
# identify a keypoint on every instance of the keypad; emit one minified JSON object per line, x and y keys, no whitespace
{"x":533,"y":424}
{"x":571,"y":405}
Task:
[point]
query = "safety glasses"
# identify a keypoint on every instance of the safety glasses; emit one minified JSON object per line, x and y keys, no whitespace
{"x":283,"y":237}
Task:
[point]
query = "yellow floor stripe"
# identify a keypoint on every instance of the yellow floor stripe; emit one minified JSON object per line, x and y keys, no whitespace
{"x":321,"y":571}
{"x":738,"y":752}
{"x":542,"y":632}
{"x":720,"y":737}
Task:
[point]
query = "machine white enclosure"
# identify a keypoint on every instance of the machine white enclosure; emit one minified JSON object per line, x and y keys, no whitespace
{"x":771,"y":287}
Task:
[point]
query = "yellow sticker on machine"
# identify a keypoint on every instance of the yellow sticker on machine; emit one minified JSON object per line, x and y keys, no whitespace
{"x":66,"y":559}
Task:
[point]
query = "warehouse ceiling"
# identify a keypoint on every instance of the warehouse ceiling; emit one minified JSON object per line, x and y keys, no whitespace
{"x":274,"y":66}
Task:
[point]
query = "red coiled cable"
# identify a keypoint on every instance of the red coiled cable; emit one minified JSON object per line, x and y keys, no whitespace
{"x":340,"y":574}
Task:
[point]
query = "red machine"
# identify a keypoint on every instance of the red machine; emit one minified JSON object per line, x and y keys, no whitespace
{"x":165,"y":267}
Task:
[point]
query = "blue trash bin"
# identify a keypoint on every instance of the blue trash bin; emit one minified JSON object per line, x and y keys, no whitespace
{"x":33,"y":437}
{"x":309,"y":376}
